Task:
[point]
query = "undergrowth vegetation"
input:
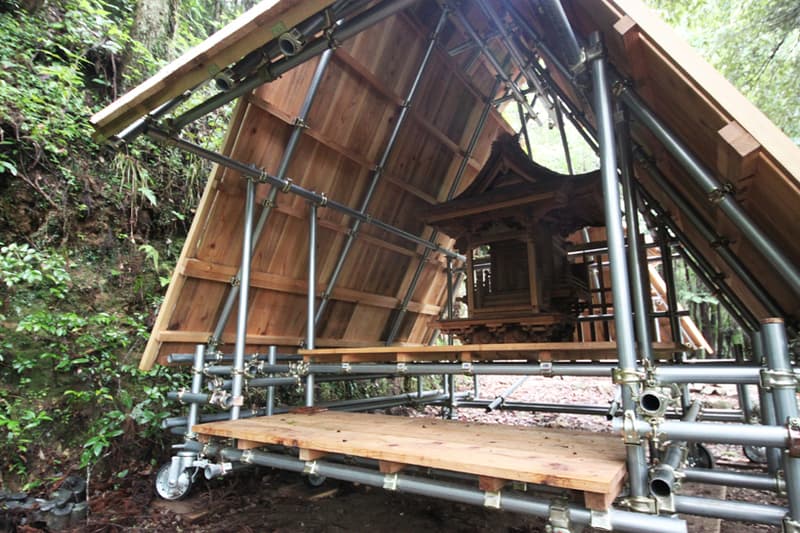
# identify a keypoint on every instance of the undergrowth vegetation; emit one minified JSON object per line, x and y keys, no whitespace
{"x":88,"y":237}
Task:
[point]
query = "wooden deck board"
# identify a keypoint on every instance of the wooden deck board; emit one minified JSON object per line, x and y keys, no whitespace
{"x":590,"y":462}
{"x":534,"y":351}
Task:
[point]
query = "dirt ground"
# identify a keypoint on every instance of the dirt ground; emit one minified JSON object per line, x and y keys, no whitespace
{"x":269,"y":500}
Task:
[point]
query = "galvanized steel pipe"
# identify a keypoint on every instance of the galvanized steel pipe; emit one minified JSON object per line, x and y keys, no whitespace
{"x":244,"y":291}
{"x":712,"y":187}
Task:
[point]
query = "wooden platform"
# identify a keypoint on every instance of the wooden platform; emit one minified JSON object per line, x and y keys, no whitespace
{"x":588,"y":462}
{"x":534,"y":351}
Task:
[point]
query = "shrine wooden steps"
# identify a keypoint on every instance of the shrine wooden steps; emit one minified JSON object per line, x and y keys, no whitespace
{"x":499,"y":455}
{"x":536,"y":351}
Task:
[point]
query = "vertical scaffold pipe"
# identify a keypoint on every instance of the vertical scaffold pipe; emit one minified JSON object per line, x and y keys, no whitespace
{"x":312,"y":284}
{"x":784,"y":387}
{"x":244,"y":290}
{"x":766,"y":404}
{"x":272,"y":358}
{"x":197,"y":385}
{"x":637,"y":468}
{"x":641,"y":314}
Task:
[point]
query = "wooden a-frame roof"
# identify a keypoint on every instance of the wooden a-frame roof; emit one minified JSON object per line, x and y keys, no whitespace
{"x":362,"y":94}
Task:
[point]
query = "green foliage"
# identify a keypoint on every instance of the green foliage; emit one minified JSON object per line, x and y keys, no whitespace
{"x":62,"y":369}
{"x":756,"y":45}
{"x":22,"y":265}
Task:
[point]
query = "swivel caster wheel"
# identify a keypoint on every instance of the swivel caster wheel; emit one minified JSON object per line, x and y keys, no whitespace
{"x":315,"y":480}
{"x":756,"y":454}
{"x":181,"y":489}
{"x":700,"y":457}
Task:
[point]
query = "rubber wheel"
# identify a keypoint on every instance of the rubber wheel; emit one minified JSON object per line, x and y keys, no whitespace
{"x":756,"y":454}
{"x":700,"y":457}
{"x":315,"y":480}
{"x":181,"y":490}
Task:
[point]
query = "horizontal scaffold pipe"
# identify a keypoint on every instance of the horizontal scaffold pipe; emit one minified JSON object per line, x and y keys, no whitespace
{"x":592,"y":410}
{"x":742,"y":434}
{"x":258,"y":382}
{"x":693,"y":373}
{"x":571,"y":409}
{"x":734,"y":479}
{"x":341,"y":405}
{"x":178,"y":358}
{"x":486,"y":369}
{"x":286,"y":185}
{"x":731,"y":510}
{"x":509,"y":501}
{"x":224,"y":370}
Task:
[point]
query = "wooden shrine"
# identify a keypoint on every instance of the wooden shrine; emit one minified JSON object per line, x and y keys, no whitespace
{"x":512,"y":223}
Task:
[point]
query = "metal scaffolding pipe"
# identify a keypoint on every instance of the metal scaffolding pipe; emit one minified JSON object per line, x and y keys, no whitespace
{"x":519,"y":61}
{"x":398,"y":319}
{"x":662,"y":477}
{"x":730,"y":510}
{"x":377,"y":173}
{"x":273,"y":71}
{"x":244,"y":291}
{"x":568,"y":41}
{"x":784,"y":393}
{"x":501,"y":369}
{"x":197,"y":384}
{"x":717,"y":193}
{"x":572,"y":409}
{"x":563,"y":133}
{"x":743,"y":434}
{"x":501,"y":398}
{"x":489,"y":55}
{"x":377,"y":402}
{"x":269,"y":203}
{"x":641,"y":311}
{"x":312,"y":284}
{"x":215,"y":357}
{"x":720,"y":374}
{"x":734,"y":479}
{"x":700,"y":265}
{"x":766,"y":403}
{"x":718,"y":243}
{"x":618,"y":520}
{"x":272,"y":357}
{"x":287,"y":185}
{"x":637,"y":468}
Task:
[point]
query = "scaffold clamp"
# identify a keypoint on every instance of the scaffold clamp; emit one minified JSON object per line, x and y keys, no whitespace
{"x":793,"y":424}
{"x":629,"y":433}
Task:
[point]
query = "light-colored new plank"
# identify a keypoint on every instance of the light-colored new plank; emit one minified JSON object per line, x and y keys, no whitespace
{"x":591,"y":462}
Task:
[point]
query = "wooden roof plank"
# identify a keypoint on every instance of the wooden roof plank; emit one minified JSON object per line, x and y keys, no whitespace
{"x":254,"y":28}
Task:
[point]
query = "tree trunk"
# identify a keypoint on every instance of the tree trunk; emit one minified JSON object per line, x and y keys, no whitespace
{"x":154,"y":25}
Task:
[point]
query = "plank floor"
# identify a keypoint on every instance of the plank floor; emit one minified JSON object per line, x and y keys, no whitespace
{"x":589,"y":462}
{"x":531,"y":351}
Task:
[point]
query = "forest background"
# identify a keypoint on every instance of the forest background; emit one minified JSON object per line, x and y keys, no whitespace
{"x":88,"y":237}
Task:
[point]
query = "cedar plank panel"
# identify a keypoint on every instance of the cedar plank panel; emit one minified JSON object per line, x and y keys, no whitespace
{"x":561,"y":459}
